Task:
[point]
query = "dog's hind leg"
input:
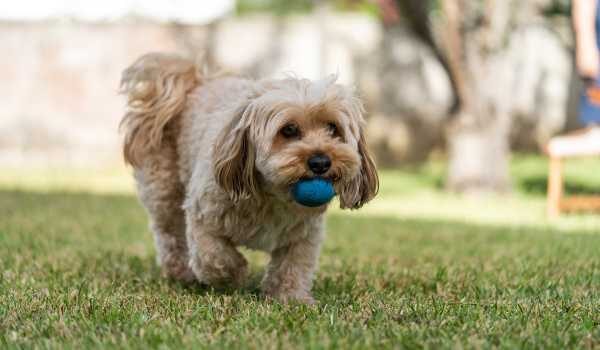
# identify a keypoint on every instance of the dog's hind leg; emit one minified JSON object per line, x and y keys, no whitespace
{"x":156,"y":86}
{"x":162,"y":195}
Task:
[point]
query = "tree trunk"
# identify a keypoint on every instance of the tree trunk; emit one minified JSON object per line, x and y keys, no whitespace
{"x":478,"y":156}
{"x":469,"y":40}
{"x":478,"y":132}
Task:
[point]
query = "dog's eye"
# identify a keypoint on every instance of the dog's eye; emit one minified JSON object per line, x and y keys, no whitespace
{"x":333,"y":129}
{"x":290,"y":131}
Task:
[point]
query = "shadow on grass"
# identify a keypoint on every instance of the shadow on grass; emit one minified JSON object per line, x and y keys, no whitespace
{"x":106,"y":236}
{"x":538,"y":185}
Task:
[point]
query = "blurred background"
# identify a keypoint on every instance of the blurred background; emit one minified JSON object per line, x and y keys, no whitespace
{"x":461,"y":97}
{"x":461,"y":85}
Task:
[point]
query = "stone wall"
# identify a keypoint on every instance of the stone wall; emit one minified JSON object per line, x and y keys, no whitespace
{"x":60,"y":88}
{"x":60,"y":79}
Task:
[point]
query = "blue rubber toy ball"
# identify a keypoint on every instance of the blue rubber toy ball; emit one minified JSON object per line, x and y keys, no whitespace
{"x":313,"y":192}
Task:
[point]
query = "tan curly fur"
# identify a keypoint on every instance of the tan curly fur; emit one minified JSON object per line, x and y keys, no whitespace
{"x":156,"y":86}
{"x":214,"y":168}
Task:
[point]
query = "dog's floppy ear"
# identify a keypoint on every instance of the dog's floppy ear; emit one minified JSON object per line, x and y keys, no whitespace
{"x":234,"y":157}
{"x":365,"y":184}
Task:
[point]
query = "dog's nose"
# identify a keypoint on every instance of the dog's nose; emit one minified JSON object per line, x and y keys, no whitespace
{"x":319,"y":163}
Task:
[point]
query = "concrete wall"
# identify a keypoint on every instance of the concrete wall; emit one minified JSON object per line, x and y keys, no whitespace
{"x":59,"y":83}
{"x":60,"y":79}
{"x":59,"y":88}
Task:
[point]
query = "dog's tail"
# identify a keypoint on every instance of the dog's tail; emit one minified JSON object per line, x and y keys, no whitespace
{"x":156,"y":86}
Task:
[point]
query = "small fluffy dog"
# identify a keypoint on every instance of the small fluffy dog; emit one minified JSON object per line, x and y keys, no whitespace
{"x":214,"y":161}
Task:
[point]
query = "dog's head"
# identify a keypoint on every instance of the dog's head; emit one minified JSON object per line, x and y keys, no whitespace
{"x":294,"y":129}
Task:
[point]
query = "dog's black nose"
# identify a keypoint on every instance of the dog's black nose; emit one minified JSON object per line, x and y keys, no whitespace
{"x":319,"y":163}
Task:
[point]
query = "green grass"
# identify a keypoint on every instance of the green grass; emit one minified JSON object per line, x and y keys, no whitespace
{"x":416,"y":268}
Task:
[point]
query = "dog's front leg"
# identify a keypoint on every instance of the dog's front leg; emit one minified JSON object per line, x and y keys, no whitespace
{"x":213,"y":258}
{"x":291,"y":270}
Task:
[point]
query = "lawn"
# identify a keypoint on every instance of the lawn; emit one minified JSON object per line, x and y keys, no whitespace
{"x":416,"y":268}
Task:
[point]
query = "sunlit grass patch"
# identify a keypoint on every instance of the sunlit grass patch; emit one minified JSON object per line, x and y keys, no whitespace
{"x":416,"y":268}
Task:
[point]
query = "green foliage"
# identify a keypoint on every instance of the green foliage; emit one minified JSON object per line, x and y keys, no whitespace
{"x":558,"y":8}
{"x":278,"y":7}
{"x":416,"y":268}
{"x":284,"y":7}
{"x":364,"y":6}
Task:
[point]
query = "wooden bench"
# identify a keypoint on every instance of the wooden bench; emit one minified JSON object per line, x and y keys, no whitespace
{"x":584,"y":143}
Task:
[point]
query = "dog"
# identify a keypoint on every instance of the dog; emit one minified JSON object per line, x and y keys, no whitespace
{"x":214,"y":159}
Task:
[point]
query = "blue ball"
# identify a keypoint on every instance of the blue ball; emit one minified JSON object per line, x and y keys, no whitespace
{"x":313,"y":192}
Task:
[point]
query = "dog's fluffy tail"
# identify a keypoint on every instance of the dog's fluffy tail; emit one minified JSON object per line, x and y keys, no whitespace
{"x":156,"y":86}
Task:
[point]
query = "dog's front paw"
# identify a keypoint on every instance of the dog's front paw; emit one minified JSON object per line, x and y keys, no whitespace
{"x":178,"y":270}
{"x":288,"y":298}
{"x":217,"y":270}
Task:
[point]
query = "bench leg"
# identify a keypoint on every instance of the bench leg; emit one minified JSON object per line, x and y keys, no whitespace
{"x":555,"y":187}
